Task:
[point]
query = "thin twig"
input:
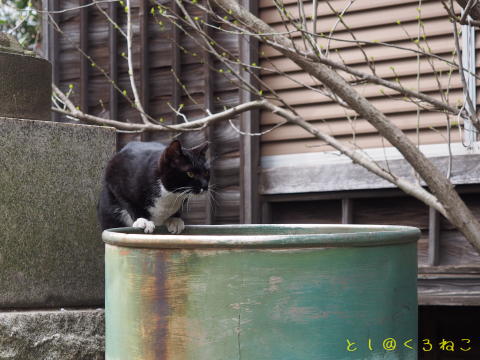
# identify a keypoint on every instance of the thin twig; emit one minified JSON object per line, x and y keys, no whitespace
{"x":138,"y":103}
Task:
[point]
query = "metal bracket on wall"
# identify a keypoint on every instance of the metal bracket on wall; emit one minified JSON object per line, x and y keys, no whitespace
{"x":433,"y":237}
{"x":347,"y":211}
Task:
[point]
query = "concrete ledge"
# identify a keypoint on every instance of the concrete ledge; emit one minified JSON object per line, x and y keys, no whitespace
{"x":52,"y":335}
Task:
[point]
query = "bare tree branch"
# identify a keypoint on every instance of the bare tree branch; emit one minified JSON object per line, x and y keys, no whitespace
{"x":194,"y":125}
{"x":474,"y":10}
{"x":467,"y":9}
{"x":356,"y":156}
{"x":138,"y":103}
{"x":464,"y":20}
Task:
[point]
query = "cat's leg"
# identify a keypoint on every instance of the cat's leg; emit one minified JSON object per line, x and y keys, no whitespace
{"x":109,"y":212}
{"x":175,"y":224}
{"x":125,"y":217}
{"x":111,"y":220}
{"x":147,"y":225}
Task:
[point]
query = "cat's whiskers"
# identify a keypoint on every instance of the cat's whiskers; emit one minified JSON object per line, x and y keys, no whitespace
{"x":212,"y":188}
{"x":186,"y":190}
{"x":186,"y":200}
{"x":187,"y":203}
{"x":212,"y":203}
{"x":183,"y":188}
{"x":211,"y":193}
{"x":183,"y":205}
{"x":180,"y":193}
{"x":180,"y":196}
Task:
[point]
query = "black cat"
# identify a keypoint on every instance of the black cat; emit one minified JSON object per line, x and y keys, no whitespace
{"x":146,"y":184}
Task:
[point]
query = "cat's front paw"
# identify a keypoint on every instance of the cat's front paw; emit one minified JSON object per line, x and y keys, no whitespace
{"x":175,"y":225}
{"x":147,"y":225}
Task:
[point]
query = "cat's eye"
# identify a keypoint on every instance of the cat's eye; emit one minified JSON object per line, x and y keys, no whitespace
{"x":190,"y":174}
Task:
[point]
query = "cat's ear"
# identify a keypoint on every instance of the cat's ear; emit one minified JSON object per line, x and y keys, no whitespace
{"x":173,"y":150}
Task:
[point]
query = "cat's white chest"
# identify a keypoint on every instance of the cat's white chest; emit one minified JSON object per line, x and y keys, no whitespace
{"x":165,"y":205}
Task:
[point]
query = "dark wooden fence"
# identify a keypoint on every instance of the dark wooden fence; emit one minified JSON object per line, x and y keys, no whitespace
{"x":89,"y":56}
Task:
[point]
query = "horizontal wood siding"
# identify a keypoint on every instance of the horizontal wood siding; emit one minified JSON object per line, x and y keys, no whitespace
{"x":393,"y":21}
{"x":175,"y":75}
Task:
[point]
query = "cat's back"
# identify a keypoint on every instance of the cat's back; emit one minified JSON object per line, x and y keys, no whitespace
{"x":138,"y":148}
{"x":139,"y":152}
{"x":134,"y":158}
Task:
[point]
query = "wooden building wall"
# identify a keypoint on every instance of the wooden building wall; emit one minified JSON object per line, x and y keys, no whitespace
{"x":392,"y":21}
{"x":164,"y":72}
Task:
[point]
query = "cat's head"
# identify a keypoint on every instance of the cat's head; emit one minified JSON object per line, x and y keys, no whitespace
{"x":184,"y":170}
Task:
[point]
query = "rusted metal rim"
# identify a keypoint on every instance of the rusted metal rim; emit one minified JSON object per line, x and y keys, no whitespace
{"x":264,"y":236}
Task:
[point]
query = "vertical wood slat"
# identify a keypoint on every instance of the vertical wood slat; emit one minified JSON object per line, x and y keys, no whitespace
{"x":266,"y":216}
{"x":84,"y":62}
{"x":51,"y":47}
{"x":113,"y":65}
{"x":209,"y":105}
{"x":176,"y":65}
{"x":144,"y":50}
{"x":347,"y":211}
{"x":433,"y":237}
{"x":144,"y":55}
{"x":249,"y":145}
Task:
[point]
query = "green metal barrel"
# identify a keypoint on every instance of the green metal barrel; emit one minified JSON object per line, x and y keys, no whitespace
{"x":262,"y":292}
